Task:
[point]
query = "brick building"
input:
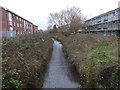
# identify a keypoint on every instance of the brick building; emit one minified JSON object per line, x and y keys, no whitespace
{"x":12,"y":24}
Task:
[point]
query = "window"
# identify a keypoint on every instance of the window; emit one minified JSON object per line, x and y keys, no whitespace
{"x":24,"y":24}
{"x":14,"y":24}
{"x":98,"y":28}
{"x":114,"y":13}
{"x":11,"y":29}
{"x":113,"y":21}
{"x":17,"y":17}
{"x":25,"y":30}
{"x":99,"y":22}
{"x":105,"y":20}
{"x":20,"y":25}
{"x":10,"y":23}
{"x":18,"y":32}
{"x":105,"y":28}
{"x":17,"y":24}
{"x":118,"y":21}
{"x":27,"y":24}
{"x":20,"y":19}
{"x":10,"y":16}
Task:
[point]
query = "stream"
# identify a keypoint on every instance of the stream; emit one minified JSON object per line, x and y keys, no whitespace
{"x":58,"y":73}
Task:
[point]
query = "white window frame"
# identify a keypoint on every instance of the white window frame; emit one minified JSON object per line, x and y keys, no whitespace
{"x":17,"y":24}
{"x":10,"y":16}
{"x":20,"y":25}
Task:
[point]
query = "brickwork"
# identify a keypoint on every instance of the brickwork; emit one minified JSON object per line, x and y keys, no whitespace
{"x":13,"y":22}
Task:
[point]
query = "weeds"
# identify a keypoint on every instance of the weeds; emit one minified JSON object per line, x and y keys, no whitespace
{"x":95,"y":57}
{"x":24,"y":59}
{"x":16,"y":84}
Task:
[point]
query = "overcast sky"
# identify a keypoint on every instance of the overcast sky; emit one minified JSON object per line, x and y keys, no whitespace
{"x":37,"y":11}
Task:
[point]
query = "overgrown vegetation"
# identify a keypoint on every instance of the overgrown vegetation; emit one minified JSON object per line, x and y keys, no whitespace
{"x":96,"y":59}
{"x":24,"y":60}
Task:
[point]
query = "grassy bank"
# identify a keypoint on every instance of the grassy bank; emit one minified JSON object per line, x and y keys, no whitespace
{"x":24,"y":60}
{"x":95,"y":58}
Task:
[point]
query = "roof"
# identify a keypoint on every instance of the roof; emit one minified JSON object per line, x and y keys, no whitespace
{"x":15,"y":14}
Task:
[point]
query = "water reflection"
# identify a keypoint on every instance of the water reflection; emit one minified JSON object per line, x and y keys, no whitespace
{"x":58,"y":71}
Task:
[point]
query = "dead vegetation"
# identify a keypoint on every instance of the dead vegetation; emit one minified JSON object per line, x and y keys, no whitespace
{"x":24,"y":60}
{"x":95,"y":58}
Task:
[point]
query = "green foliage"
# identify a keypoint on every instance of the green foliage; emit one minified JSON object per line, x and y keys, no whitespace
{"x":10,"y":80}
{"x":16,"y":83}
{"x":12,"y":72}
{"x":25,"y":46}
{"x":5,"y":60}
{"x":61,"y":37}
{"x":101,"y":54}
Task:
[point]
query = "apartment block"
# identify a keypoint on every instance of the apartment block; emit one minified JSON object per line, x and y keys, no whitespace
{"x":108,"y":22}
{"x":12,"y":24}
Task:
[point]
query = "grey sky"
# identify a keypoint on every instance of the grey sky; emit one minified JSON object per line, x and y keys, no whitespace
{"x":38,"y":11}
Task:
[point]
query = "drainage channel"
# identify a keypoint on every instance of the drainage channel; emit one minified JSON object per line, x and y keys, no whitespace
{"x":57,"y":75}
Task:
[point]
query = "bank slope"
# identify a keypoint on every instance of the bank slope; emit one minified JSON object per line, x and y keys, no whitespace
{"x":24,"y":60}
{"x":95,"y":58}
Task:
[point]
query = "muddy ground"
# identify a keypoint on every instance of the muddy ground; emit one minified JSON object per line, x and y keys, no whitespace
{"x":24,"y":60}
{"x":95,"y":58}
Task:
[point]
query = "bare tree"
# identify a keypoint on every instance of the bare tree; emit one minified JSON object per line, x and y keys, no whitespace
{"x":69,"y":17}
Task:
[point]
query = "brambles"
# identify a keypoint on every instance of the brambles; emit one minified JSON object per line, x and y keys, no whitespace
{"x":24,"y":60}
{"x":96,"y":59}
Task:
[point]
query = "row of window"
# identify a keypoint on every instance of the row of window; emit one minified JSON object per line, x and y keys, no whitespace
{"x":18,"y":18}
{"x":11,"y":29}
{"x":19,"y":25}
{"x":15,"y":24}
{"x":11,"y":23}
{"x":104,"y":26}
{"x":99,"y":21}
{"x":107,"y":17}
{"x":12,"y":15}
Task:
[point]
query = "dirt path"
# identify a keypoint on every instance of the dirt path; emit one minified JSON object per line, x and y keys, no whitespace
{"x":57,"y":75}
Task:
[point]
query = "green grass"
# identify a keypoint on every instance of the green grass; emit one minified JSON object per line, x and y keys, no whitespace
{"x":101,"y":54}
{"x":94,"y":55}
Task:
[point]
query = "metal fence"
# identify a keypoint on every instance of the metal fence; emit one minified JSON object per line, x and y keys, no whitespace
{"x":7,"y":33}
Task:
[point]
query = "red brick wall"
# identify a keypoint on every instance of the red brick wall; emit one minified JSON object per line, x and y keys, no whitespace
{"x":17,"y":23}
{"x":35,"y":28}
{"x":5,"y":26}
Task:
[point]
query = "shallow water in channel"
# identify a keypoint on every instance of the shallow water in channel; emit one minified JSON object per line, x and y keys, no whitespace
{"x":58,"y":72}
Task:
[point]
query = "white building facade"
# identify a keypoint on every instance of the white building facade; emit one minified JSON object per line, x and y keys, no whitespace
{"x":107,"y":22}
